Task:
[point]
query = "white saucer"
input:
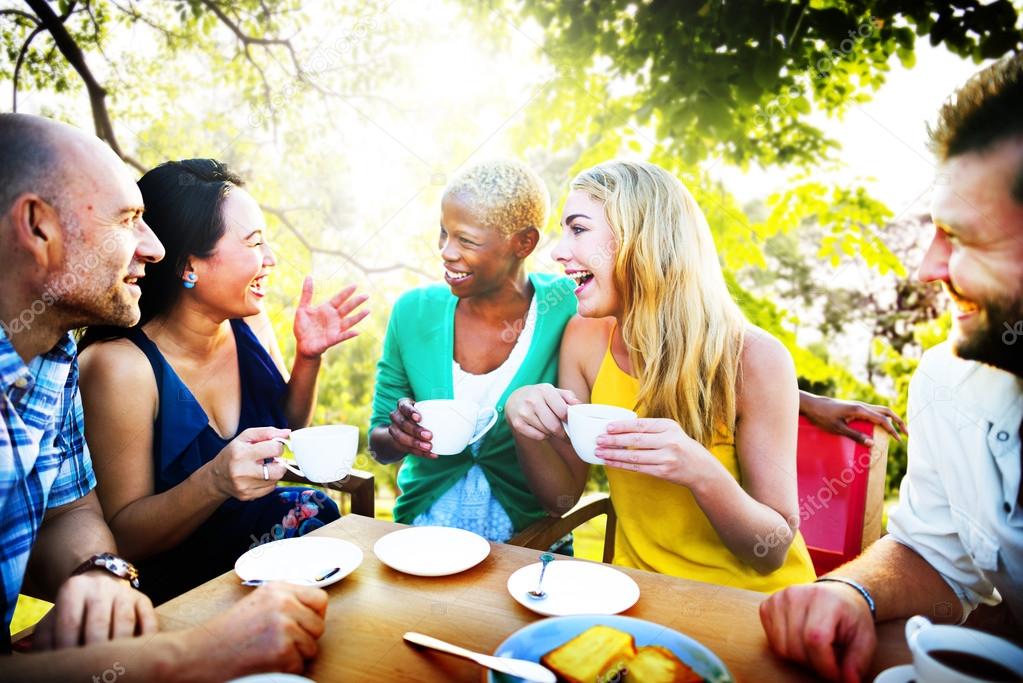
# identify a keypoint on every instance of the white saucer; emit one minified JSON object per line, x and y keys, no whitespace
{"x":574,"y":587}
{"x":299,"y":558}
{"x":897,"y":674}
{"x":431,"y":550}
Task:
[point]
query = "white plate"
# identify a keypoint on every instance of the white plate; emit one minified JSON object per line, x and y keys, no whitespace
{"x":574,"y":587}
{"x":299,"y":558}
{"x":431,"y":550}
{"x":897,"y":674}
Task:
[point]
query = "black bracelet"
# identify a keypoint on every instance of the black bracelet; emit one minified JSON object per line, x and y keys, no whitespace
{"x":859,"y":589}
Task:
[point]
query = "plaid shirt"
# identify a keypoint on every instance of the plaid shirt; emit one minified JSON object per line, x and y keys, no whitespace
{"x":44,"y":462}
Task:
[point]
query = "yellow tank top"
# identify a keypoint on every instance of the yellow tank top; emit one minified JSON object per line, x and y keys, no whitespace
{"x":662,"y":529}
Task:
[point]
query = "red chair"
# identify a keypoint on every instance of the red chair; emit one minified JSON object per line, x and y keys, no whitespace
{"x":841,"y":492}
{"x":841,"y":498}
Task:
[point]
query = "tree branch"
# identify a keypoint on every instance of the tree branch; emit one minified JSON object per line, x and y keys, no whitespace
{"x":281,"y":215}
{"x":19,"y":13}
{"x":96,"y":34}
{"x":133,"y":12}
{"x":17,"y":65}
{"x":252,"y":40}
{"x":73,"y":54}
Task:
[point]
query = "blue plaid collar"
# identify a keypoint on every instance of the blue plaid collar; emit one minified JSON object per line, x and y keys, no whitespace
{"x":13,"y":369}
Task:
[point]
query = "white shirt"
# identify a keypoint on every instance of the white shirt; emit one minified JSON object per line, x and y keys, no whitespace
{"x":469,"y":503}
{"x":958,"y":502}
{"x":487,"y":389}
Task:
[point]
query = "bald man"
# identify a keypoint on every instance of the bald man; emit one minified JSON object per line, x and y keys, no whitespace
{"x":74,"y":246}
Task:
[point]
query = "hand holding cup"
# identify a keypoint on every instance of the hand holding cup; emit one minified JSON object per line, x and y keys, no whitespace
{"x":407,"y":432}
{"x":324,"y":454}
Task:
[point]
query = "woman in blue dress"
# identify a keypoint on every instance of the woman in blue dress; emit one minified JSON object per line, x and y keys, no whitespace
{"x":181,"y":410}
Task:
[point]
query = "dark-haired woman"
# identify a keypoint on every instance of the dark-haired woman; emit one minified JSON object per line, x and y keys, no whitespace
{"x":182,"y":408}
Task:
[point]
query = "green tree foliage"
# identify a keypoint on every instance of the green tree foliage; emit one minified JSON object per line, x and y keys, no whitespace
{"x":715,"y":77}
{"x":686,"y":84}
{"x":268,"y":63}
{"x":691,"y":84}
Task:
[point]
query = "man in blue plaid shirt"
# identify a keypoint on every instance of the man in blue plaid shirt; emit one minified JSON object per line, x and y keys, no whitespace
{"x":74,"y":245}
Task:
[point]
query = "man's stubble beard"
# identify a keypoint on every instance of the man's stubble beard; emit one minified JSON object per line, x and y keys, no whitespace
{"x":997,"y":341}
{"x":85,"y":295}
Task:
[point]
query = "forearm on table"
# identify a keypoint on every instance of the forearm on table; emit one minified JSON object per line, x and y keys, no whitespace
{"x":159,"y":522}
{"x":754,"y":532}
{"x":301,"y":399}
{"x":550,"y":478}
{"x":902,"y":583}
{"x":68,"y":537}
{"x":160,"y":657}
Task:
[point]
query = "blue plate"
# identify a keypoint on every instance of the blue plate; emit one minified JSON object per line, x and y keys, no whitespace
{"x":534,"y":641}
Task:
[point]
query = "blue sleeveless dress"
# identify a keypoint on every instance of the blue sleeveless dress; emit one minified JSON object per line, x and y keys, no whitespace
{"x":184,"y":441}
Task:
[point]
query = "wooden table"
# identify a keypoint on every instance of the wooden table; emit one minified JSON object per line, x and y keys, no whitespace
{"x":372,"y":607}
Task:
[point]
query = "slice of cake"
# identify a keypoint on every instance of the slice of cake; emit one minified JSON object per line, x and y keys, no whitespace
{"x":590,"y":654}
{"x":656,"y":664}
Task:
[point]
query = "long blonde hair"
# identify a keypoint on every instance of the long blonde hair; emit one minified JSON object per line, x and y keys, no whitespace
{"x":683,"y":330}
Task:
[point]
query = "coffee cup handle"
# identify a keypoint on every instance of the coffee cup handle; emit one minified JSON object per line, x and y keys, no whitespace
{"x":490,"y":423}
{"x":294,"y":469}
{"x":915,"y":624}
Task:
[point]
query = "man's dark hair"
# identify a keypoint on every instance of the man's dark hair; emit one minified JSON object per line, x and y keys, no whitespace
{"x":28,"y":159}
{"x":988,"y":109}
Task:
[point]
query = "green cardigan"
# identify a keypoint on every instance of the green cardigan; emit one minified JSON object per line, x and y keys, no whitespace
{"x":416,"y":362}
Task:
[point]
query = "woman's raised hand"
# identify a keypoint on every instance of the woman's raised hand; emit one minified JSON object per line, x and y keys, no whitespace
{"x":536,"y":412}
{"x":317,"y":328}
{"x":238,"y":469}
{"x":406,"y":432}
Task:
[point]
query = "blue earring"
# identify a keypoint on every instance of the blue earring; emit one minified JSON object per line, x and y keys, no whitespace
{"x":190,"y":280}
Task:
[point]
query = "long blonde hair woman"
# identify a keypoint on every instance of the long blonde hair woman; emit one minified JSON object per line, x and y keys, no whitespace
{"x":704,"y":481}
{"x":682,"y":329}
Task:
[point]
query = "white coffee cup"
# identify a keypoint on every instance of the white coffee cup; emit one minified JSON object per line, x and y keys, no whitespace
{"x":925,"y":639}
{"x":587,"y":421}
{"x":455,"y":424}
{"x":324,"y":453}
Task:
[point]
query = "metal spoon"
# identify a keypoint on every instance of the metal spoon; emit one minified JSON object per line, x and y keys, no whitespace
{"x":322,"y":576}
{"x":520,"y":668}
{"x":539,"y":593}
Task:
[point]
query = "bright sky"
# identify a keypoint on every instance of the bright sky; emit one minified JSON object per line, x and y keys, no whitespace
{"x":883,"y":141}
{"x":454,"y":97}
{"x":459,"y":97}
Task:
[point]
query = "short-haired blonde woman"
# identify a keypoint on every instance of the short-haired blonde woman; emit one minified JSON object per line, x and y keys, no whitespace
{"x":704,"y":481}
{"x":491,"y":328}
